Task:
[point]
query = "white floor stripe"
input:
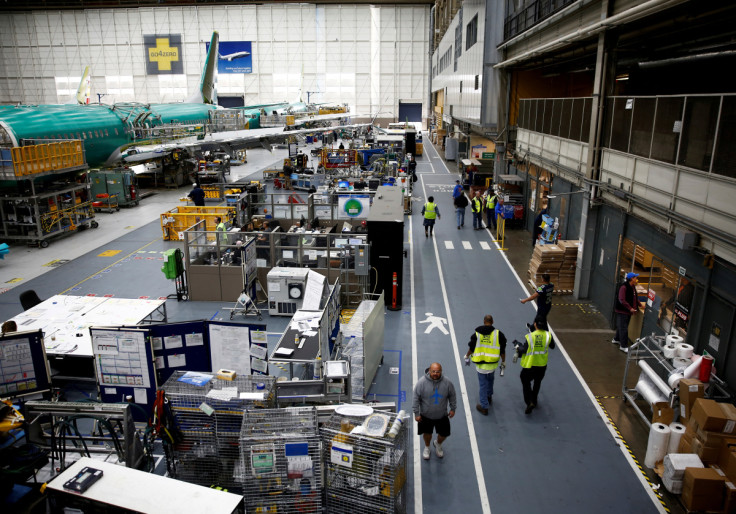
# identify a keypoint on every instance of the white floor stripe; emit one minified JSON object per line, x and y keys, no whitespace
{"x":485,"y":505}
{"x":485,"y":245}
{"x":414,"y":377}
{"x":449,"y":245}
{"x":467,"y":245}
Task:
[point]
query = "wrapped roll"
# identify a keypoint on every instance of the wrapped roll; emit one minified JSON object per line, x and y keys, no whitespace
{"x":694,"y":368}
{"x":679,"y":362}
{"x":676,"y":431}
{"x":673,"y":340}
{"x":647,"y":390}
{"x":674,"y":379}
{"x":670,"y":352}
{"x":684,"y":351}
{"x":659,"y":439}
{"x":656,"y":379}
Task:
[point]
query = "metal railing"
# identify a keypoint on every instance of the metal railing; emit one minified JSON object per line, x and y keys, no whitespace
{"x":692,"y":131}
{"x":531,"y":14}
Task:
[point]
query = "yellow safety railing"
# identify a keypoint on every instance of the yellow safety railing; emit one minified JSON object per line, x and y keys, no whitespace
{"x":178,"y":219}
{"x":500,"y":232}
{"x":32,"y":159}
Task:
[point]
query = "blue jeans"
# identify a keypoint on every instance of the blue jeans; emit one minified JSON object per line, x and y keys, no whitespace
{"x":477,"y":220}
{"x":485,"y":381}
{"x":460,"y":213}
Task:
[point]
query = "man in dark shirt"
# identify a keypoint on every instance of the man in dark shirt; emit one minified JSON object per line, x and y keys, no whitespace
{"x":461,"y":202}
{"x":543,"y":295}
{"x":197,"y":195}
{"x":626,"y":305}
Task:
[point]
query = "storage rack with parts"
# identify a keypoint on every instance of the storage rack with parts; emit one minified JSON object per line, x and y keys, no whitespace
{"x":43,"y":193}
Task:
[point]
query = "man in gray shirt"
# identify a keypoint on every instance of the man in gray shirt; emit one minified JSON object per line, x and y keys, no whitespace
{"x":431,"y":395}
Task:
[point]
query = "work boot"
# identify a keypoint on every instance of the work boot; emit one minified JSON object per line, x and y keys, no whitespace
{"x":480,"y":409}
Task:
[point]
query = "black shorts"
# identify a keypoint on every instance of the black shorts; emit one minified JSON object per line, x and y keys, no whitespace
{"x":442,"y":425}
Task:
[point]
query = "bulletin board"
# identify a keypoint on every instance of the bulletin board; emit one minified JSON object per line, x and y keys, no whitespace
{"x":232,"y":347}
{"x":124,"y":365}
{"x":23,"y":365}
{"x":179,"y":347}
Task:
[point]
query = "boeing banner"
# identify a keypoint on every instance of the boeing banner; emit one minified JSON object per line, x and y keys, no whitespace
{"x":163,"y":54}
{"x":234,"y":57}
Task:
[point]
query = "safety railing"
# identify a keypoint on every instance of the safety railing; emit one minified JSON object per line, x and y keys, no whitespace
{"x":23,"y":161}
{"x":692,"y":131}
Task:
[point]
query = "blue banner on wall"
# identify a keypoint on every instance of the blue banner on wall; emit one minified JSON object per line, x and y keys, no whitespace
{"x":234,"y":57}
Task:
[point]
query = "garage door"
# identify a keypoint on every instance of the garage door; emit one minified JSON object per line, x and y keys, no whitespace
{"x":410,"y":111}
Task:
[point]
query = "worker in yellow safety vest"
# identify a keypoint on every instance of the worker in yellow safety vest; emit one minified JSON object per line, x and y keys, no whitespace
{"x":534,"y":354}
{"x":476,"y":205}
{"x":487,"y":349}
{"x":491,"y":208}
{"x":431,"y":212}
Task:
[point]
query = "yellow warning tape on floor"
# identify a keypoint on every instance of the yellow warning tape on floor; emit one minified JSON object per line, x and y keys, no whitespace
{"x":631,"y":453}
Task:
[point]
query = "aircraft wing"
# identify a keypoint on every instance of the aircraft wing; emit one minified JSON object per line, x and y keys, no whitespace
{"x":325,"y":117}
{"x":230,"y":141}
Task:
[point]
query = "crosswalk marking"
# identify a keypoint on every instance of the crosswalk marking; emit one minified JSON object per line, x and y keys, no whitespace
{"x":449,"y":245}
{"x":467,"y":245}
{"x":485,"y":245}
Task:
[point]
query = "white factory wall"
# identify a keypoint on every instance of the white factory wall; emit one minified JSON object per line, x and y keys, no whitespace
{"x":366,"y":56}
{"x":461,"y":103}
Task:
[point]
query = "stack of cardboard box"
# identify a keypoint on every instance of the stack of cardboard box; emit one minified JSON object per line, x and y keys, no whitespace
{"x":711,"y":435}
{"x":569,"y":260}
{"x":545,"y":259}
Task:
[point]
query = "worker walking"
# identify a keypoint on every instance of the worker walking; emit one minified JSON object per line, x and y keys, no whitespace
{"x":487,"y":349}
{"x":543,"y":296}
{"x":432,"y":394}
{"x":430,"y":211}
{"x":534,"y":355}
{"x":476,"y":205}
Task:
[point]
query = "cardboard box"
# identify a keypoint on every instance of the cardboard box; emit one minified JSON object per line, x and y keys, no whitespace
{"x":729,"y":500}
{"x":707,"y":454}
{"x":690,"y":390}
{"x":686,"y":445}
{"x":662,"y":413}
{"x":730,"y":412}
{"x":728,"y":464}
{"x":710,"y":439}
{"x":728,"y":445}
{"x":702,"y":489}
{"x":709,"y":415}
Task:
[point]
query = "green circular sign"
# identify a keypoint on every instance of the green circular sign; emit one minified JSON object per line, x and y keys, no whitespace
{"x":353,"y":207}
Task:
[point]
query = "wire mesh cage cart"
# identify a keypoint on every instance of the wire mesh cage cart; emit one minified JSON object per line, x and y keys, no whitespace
{"x":281,"y":466}
{"x":364,"y":473}
{"x":209,"y":418}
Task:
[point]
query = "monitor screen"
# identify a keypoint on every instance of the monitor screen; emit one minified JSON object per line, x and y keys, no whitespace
{"x":23,"y":366}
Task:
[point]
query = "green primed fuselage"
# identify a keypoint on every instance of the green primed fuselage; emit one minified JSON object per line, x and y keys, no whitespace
{"x":103,"y":128}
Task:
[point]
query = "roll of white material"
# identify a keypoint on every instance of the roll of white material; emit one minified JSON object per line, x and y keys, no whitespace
{"x":673,"y":340}
{"x":669,"y":352}
{"x":694,"y":368}
{"x":684,"y":351}
{"x":656,"y":379}
{"x":676,"y":431}
{"x":674,"y":379}
{"x":659,"y":439}
{"x":648,"y":390}
{"x":679,"y":362}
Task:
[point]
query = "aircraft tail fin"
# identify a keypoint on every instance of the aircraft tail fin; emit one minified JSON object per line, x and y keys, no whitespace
{"x":83,"y":90}
{"x":207,"y":92}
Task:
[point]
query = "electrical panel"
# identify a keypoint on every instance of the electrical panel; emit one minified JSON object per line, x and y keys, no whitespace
{"x":362,"y":260}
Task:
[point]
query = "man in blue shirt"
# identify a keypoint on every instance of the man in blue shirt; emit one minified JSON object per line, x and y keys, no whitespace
{"x":458,"y":189}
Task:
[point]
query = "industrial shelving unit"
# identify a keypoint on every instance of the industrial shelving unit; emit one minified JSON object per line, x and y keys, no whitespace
{"x":281,"y":460}
{"x":363,"y":474}
{"x":209,"y":422}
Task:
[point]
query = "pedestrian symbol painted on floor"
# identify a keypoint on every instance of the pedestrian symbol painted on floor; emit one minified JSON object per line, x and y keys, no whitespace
{"x":435,"y":322}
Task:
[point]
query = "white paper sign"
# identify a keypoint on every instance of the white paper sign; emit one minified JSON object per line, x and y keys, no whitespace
{"x":257,"y":351}
{"x":194,"y":339}
{"x":139,"y":396}
{"x":342,"y":455}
